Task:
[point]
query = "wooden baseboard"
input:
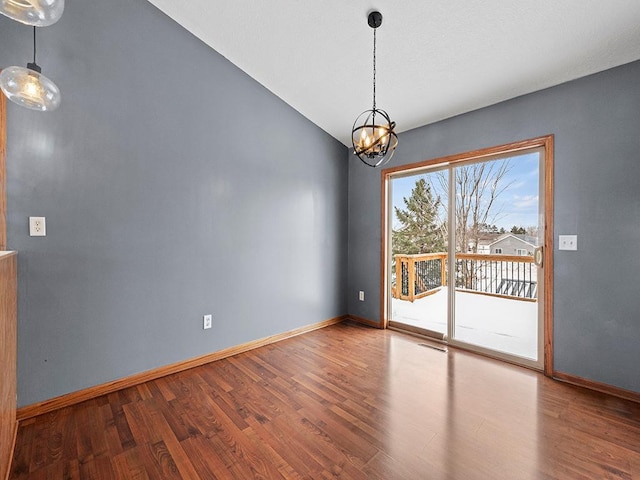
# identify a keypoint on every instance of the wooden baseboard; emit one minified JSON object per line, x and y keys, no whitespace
{"x":597,"y":386}
{"x":73,"y":398}
{"x":364,"y":321}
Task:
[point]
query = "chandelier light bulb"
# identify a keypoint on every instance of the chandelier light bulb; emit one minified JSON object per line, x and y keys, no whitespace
{"x":32,"y":88}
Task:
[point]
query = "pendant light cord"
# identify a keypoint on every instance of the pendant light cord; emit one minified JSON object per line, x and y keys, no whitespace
{"x":34,"y":45}
{"x":374,"y":69}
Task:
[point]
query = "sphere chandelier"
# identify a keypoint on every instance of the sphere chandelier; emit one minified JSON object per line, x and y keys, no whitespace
{"x":373,"y":137}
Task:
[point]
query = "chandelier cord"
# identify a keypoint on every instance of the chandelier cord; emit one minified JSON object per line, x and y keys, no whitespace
{"x":34,"y":45}
{"x":374,"y":69}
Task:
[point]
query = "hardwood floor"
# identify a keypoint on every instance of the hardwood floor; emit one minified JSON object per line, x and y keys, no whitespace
{"x":345,"y":401}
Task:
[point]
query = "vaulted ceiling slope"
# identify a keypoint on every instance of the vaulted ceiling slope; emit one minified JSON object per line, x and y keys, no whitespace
{"x":436,"y":58}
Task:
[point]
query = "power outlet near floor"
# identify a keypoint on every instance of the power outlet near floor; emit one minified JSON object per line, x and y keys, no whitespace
{"x":206,"y":322}
{"x":37,"y":227}
{"x":361,"y":295}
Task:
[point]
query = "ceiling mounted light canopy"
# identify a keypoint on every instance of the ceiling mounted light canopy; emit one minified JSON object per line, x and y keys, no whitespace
{"x":373,"y":136}
{"x":39,"y":13}
{"x":28,"y":87}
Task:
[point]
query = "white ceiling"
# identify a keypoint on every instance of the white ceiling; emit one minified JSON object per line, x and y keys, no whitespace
{"x":436,"y":58}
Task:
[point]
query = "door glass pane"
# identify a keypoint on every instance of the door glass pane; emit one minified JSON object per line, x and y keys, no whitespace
{"x":419,"y":251}
{"x":497,"y":229}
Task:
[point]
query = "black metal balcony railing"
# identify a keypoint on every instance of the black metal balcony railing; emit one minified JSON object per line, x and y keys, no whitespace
{"x":425,"y":272}
{"x":499,"y":275}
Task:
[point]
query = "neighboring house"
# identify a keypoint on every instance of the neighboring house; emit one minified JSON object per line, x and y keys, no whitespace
{"x":484,"y":241}
{"x":511,"y":244}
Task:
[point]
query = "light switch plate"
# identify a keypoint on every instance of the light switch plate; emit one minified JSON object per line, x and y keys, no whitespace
{"x":568,"y":242}
{"x":37,"y":227}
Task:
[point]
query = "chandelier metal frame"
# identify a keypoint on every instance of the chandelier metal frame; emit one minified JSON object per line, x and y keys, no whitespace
{"x":373,"y":136}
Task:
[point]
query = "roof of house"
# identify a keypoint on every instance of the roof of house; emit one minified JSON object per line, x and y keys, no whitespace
{"x":488,"y":238}
{"x":528,"y":239}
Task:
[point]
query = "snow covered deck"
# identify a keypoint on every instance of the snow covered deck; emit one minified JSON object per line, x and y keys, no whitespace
{"x":502,"y":324}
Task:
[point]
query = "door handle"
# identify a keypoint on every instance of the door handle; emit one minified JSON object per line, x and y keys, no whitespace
{"x":538,"y":256}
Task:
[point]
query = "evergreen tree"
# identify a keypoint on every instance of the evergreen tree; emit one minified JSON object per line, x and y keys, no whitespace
{"x":518,"y":230}
{"x":420,"y":230}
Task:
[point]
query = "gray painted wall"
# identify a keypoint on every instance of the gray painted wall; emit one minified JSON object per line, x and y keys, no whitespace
{"x":173,"y":186}
{"x":596,"y":122}
{"x":159,"y":210}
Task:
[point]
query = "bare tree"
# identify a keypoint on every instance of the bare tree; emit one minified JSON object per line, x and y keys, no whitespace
{"x":477,"y":188}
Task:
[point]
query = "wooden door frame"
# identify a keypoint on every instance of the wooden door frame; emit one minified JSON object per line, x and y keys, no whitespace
{"x":3,"y":173}
{"x":546,"y":142}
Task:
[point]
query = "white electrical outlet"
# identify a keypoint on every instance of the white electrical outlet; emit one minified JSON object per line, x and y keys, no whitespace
{"x":206,"y":321}
{"x":567,"y":242}
{"x":361,"y":296}
{"x":37,"y":227}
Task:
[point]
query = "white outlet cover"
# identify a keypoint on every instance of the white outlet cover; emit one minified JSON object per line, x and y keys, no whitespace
{"x":206,"y":322}
{"x":361,"y":296}
{"x":567,"y":242}
{"x":37,"y":227}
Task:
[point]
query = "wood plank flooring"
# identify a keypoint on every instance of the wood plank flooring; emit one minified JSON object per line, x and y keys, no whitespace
{"x":341,"y":402}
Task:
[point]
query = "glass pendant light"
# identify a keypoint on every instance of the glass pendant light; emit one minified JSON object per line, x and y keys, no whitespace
{"x":373,"y":136}
{"x":28,"y":87}
{"x":39,"y":13}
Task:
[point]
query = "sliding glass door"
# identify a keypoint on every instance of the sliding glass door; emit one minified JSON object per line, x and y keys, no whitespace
{"x":465,"y":256}
{"x":419,"y":252}
{"x":496,"y":232}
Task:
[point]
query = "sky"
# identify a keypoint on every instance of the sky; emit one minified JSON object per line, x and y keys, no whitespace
{"x":516,"y":205}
